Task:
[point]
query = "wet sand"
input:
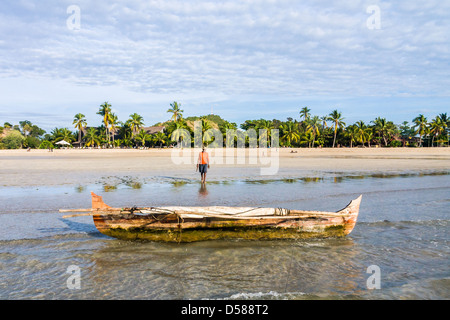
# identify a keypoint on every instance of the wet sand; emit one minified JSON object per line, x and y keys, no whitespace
{"x":75,"y":166}
{"x":403,"y":226}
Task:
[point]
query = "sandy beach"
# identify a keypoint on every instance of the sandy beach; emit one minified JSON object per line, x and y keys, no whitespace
{"x":75,"y":166}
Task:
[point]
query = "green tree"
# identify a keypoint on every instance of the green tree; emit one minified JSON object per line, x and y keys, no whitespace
{"x":351,"y":133}
{"x":324,"y":120}
{"x":446,"y":124}
{"x":384,"y":129}
{"x":405,"y":130}
{"x":266,"y":126}
{"x":91,"y":138}
{"x":126,"y":133}
{"x":46,"y":145}
{"x":249,"y":124}
{"x":437,"y":128}
{"x":114,"y":123}
{"x":362,"y":132}
{"x":136,"y":122}
{"x":336,"y":118}
{"x":160,"y":138}
{"x":227,"y":126}
{"x":207,"y":131}
{"x":305,"y":113}
{"x":420,"y":127}
{"x":31,"y":142}
{"x":289,"y":133}
{"x":313,"y":124}
{"x":307,"y":138}
{"x":142,"y":136}
{"x":80,"y":123}
{"x":174,"y":130}
{"x":26,"y":127}
{"x":36,"y":131}
{"x":13,"y":140}
{"x":105,"y":112}
{"x":60,"y":134}
{"x":176,"y":111}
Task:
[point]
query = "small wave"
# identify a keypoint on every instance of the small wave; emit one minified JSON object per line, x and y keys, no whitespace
{"x":435,"y":222}
{"x":271,"y":295}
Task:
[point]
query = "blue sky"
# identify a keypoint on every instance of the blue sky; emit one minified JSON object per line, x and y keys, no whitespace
{"x":241,"y":59}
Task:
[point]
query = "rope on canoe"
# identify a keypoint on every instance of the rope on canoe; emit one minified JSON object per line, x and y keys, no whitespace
{"x":166,"y":212}
{"x":277,"y":212}
{"x":282,"y":212}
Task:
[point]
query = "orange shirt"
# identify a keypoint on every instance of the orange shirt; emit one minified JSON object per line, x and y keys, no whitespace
{"x":203,"y":158}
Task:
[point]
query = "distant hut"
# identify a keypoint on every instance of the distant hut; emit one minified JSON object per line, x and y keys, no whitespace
{"x":153,"y":130}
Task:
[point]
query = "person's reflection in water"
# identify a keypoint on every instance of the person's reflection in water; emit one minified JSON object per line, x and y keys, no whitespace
{"x":203,"y":192}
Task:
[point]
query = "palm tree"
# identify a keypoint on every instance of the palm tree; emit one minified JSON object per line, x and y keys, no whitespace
{"x":351,"y":132}
{"x":313,"y":125}
{"x":228,"y":126}
{"x":80,"y":122}
{"x":142,"y":136}
{"x":336,"y":117}
{"x":91,"y":138}
{"x":159,"y":137}
{"x":384,"y":129}
{"x":266,"y":126}
{"x":136,"y":122}
{"x":362,"y":132}
{"x":114,"y":122}
{"x":176,"y":111}
{"x":105,"y":112}
{"x":125,"y":130}
{"x":176,"y":130}
{"x":420,"y":122}
{"x":249,"y":124}
{"x":324,"y":120}
{"x":102,"y":135}
{"x":304,"y":112}
{"x":62,"y":134}
{"x":446,"y":126}
{"x":289,"y":133}
{"x":369,"y":136}
{"x":207,"y":131}
{"x":437,"y":127}
{"x":308,"y":138}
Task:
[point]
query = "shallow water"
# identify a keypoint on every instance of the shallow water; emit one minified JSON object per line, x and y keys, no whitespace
{"x":403,"y":228}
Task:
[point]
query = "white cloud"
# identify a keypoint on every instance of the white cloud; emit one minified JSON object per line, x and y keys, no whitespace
{"x":228,"y":49}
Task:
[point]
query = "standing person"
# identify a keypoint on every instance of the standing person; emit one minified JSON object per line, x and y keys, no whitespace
{"x":203,"y":164}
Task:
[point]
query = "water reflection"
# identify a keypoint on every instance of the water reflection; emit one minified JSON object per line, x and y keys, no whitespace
{"x":335,"y":177}
{"x":203,"y":191}
{"x":216,"y":269}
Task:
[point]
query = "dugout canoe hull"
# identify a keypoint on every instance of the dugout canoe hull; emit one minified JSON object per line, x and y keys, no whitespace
{"x":190,"y":224}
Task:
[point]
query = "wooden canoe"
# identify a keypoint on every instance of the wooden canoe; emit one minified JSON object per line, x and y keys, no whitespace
{"x":189,"y":224}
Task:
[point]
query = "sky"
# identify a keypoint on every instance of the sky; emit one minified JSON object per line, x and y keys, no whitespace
{"x":240,"y":59}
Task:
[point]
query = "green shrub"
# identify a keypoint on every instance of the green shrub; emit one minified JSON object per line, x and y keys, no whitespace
{"x":396,"y":144}
{"x":13,"y":140}
{"x":31,"y":142}
{"x":46,"y":145}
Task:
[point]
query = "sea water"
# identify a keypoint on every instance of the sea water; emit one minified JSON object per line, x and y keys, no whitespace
{"x":402,"y":234}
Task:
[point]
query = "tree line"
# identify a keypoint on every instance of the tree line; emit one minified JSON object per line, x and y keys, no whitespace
{"x":308,"y":130}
